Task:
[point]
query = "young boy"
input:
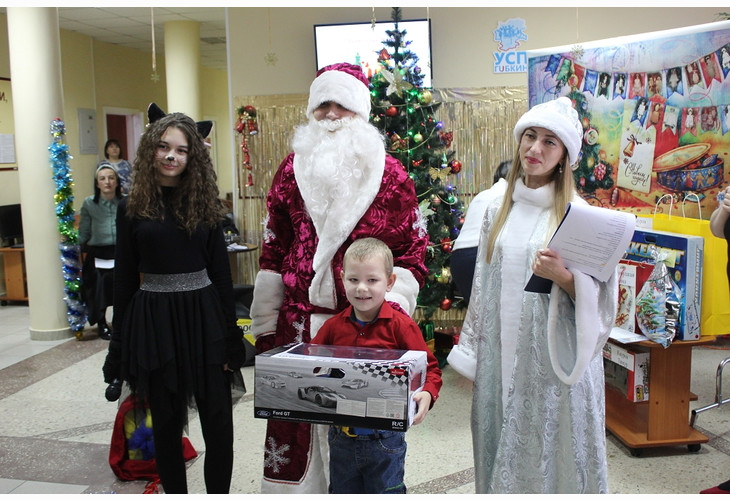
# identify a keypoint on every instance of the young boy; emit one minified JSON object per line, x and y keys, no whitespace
{"x":368,"y":460}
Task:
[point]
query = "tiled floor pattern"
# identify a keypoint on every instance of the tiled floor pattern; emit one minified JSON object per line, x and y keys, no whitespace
{"x":55,"y":428}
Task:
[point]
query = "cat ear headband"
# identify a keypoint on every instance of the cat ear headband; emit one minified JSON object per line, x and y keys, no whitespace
{"x":154,"y":113}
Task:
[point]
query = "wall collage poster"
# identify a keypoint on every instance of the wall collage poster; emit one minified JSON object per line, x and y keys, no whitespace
{"x":655,"y":109}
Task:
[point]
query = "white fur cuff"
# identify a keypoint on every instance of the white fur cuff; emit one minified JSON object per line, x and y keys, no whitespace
{"x":404,"y":291}
{"x":464,"y":364}
{"x":268,"y":295}
{"x":587,"y":325}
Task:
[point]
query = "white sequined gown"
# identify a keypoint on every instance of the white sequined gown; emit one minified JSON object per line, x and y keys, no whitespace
{"x":538,"y":408}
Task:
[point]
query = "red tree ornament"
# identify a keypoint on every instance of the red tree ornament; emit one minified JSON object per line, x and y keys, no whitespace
{"x":391,"y":111}
{"x":446,"y":138}
{"x":455,"y":166}
{"x":445,"y":304}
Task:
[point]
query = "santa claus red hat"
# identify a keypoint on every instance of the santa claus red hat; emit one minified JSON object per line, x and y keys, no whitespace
{"x":343,"y":83}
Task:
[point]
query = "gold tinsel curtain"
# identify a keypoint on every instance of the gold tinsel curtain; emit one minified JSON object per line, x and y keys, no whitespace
{"x":480,"y":119}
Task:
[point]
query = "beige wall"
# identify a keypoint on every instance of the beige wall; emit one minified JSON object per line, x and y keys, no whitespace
{"x":78,"y":92}
{"x":9,"y":192}
{"x":100,"y":75}
{"x":461,"y":37}
{"x":214,"y":97}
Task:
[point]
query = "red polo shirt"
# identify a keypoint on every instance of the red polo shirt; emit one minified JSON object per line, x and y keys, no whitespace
{"x":392,"y":329}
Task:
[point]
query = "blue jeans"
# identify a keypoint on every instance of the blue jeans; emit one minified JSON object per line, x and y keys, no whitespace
{"x":367,"y":464}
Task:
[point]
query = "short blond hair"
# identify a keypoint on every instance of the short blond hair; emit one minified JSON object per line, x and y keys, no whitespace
{"x":366,"y":248}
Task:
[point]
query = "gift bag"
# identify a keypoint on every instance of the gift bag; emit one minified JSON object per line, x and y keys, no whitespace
{"x":658,"y":303}
{"x":715,"y":313}
{"x":632,"y":276}
{"x":132,"y":452}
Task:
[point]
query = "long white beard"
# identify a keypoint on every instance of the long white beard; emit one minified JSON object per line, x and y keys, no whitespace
{"x":339,"y":175}
{"x":332,"y":159}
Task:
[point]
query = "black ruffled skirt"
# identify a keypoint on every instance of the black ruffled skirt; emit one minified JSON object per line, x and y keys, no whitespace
{"x":176,"y":334}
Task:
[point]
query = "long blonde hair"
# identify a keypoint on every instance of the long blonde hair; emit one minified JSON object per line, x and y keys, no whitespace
{"x":565,"y":191}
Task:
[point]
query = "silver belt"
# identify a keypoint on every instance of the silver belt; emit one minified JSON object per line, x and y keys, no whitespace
{"x":182,"y":282}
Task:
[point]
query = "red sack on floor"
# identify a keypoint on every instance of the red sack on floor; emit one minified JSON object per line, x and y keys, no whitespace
{"x":131,"y":454}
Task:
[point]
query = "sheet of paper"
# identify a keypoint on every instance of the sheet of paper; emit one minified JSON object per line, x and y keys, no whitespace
{"x":625,"y":336}
{"x":591,"y":240}
{"x":7,"y":148}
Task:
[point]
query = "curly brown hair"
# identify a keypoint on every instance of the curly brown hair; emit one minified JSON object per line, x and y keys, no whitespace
{"x":195,"y":200}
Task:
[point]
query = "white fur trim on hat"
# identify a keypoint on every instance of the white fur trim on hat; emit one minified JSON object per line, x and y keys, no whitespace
{"x":561,"y":118}
{"x":342,"y":88}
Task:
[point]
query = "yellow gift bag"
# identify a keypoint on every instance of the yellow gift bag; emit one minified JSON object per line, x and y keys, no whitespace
{"x":715,"y":313}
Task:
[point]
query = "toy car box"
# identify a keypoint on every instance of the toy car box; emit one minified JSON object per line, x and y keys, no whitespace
{"x":627,"y":370}
{"x":685,"y":268}
{"x":340,"y":385}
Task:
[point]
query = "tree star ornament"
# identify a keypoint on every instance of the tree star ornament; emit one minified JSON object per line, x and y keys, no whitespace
{"x":396,"y":82}
{"x":577,"y":52}
{"x":271,"y":59}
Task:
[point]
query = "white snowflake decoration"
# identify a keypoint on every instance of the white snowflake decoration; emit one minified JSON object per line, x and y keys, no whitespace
{"x":269,"y":235}
{"x":420,"y":224}
{"x":274,"y":455}
{"x":299,"y":327}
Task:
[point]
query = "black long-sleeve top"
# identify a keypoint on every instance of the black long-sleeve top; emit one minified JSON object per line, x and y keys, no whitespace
{"x":160,"y":247}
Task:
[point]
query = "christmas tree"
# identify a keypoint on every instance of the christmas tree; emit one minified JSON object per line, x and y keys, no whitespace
{"x":404,"y":111}
{"x":593,"y":171}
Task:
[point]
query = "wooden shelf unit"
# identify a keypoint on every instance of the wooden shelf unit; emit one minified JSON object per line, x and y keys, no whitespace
{"x":664,"y":419}
{"x":16,"y":284}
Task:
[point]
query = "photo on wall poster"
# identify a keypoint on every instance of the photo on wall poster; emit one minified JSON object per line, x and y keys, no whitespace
{"x":669,"y":93}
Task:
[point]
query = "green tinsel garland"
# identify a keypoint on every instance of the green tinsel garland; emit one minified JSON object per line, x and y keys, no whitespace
{"x":69,"y":245}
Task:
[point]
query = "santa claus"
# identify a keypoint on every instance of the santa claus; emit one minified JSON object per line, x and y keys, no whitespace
{"x":337,"y":186}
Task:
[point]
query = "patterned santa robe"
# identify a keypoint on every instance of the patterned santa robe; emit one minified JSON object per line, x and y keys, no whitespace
{"x":538,"y":407}
{"x":299,"y":287}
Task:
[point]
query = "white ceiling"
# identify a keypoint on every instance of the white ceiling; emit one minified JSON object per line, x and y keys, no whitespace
{"x":132,"y":27}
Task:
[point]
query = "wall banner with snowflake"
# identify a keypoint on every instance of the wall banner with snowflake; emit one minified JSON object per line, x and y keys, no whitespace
{"x":508,"y":36}
{"x":655,"y":110}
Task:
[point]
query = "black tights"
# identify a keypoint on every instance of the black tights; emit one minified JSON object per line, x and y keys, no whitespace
{"x":216,"y":418}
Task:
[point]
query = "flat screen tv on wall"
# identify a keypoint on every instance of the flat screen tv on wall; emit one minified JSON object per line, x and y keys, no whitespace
{"x":361,"y":43}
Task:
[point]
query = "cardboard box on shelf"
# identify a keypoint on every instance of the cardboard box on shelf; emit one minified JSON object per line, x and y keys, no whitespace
{"x":627,"y":369}
{"x":685,"y":268}
{"x":340,"y":385}
{"x":245,"y":325}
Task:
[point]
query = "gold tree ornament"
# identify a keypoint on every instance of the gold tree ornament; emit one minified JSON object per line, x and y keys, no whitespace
{"x":439,"y":173}
{"x":445,"y":275}
{"x":425,"y":97}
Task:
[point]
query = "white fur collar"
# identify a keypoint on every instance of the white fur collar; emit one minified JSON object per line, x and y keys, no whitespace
{"x":540,"y":197}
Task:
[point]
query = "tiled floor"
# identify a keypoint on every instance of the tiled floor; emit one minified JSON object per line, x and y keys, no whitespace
{"x":55,"y":428}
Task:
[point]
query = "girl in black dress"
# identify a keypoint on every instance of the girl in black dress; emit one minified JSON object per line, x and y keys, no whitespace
{"x":175,"y":339}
